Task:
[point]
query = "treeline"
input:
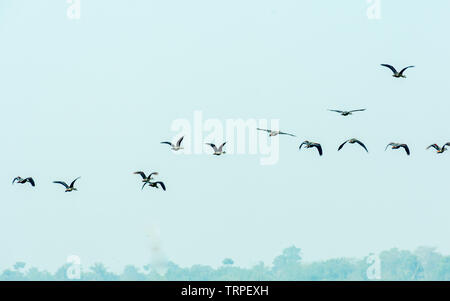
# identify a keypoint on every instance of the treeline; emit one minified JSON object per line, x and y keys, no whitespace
{"x":422,"y":264}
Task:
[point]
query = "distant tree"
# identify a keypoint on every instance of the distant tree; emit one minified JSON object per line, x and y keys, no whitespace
{"x":19,"y":265}
{"x":227,"y":261}
{"x":131,"y":273}
{"x":287,"y":265}
{"x":400,"y":265}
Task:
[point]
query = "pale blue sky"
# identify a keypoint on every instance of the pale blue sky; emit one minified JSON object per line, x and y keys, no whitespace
{"x":94,"y":97}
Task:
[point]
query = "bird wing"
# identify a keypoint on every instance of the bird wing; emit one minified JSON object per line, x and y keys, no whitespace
{"x":282,"y":133}
{"x":264,"y":130}
{"x":62,"y":183}
{"x":406,"y":148}
{"x":390,"y":67}
{"x":140,"y":173}
{"x":15,"y":179}
{"x":31,"y":181}
{"x":162,"y":185}
{"x":362,"y":144}
{"x":390,"y":144}
{"x":403,"y":70}
{"x":359,"y":110}
{"x":167,"y":142}
{"x":73,"y":182}
{"x":342,"y":145}
{"x":221,"y":147}
{"x":337,"y":111}
{"x":179,"y":141}
{"x":319,"y":148}
{"x":303,"y":143}
{"x":153,"y":173}
{"x":213,"y":146}
{"x":144,"y":185}
{"x":435,"y":146}
{"x":447,"y":144}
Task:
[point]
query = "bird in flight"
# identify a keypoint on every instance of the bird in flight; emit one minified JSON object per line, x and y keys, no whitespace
{"x":175,"y":147}
{"x":346,"y":113}
{"x":274,"y":133}
{"x":145,"y":179}
{"x":397,"y":146}
{"x":68,"y":188}
{"x":309,"y":144}
{"x":438,"y":149}
{"x":217,"y":151}
{"x":396,"y":73}
{"x":23,"y":181}
{"x":352,"y":141}
{"x":155,"y":184}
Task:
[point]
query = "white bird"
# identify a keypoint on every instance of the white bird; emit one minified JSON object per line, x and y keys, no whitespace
{"x":274,"y":133}
{"x":175,"y":147}
{"x":217,"y":151}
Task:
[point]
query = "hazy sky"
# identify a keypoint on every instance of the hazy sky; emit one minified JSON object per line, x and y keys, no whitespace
{"x":94,"y":97}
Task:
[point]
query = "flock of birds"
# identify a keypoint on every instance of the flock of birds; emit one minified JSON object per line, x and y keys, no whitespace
{"x":150,"y":181}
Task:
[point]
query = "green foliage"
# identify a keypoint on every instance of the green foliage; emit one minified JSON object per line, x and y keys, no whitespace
{"x":423,"y":264}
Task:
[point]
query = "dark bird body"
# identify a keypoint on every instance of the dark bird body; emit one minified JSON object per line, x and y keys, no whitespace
{"x":396,"y":73}
{"x":353,"y":141}
{"x":23,"y":181}
{"x":399,"y":145}
{"x":69,"y":188}
{"x":309,"y":144}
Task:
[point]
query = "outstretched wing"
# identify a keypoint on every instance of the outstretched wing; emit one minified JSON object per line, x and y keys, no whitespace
{"x":390,"y":67}
{"x":303,"y":143}
{"x":282,"y":133}
{"x":447,"y":144}
{"x":162,"y":185}
{"x":213,"y":146}
{"x":15,"y":179}
{"x":337,"y":111}
{"x":167,"y":142}
{"x":403,"y":70}
{"x":406,"y":148}
{"x":342,"y":145}
{"x":31,"y":181}
{"x":264,"y":130}
{"x":153,"y":173}
{"x":179,"y":141}
{"x":140,"y":173}
{"x":435,"y":146}
{"x":390,"y":144}
{"x":62,"y":183}
{"x":221,"y":147}
{"x":319,"y":148}
{"x":73,"y":182}
{"x":359,"y":110}
{"x":362,"y":144}
{"x":144,"y":185}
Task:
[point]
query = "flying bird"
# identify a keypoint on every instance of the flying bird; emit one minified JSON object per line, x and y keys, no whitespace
{"x":23,"y":181}
{"x":68,"y":188}
{"x":309,"y":144}
{"x":145,"y":179}
{"x":397,"y":146}
{"x":352,"y":141}
{"x":274,"y":133}
{"x":217,"y":151}
{"x":346,"y":113}
{"x":438,"y":149}
{"x":175,"y":147}
{"x":155,"y":184}
{"x":396,"y":73}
